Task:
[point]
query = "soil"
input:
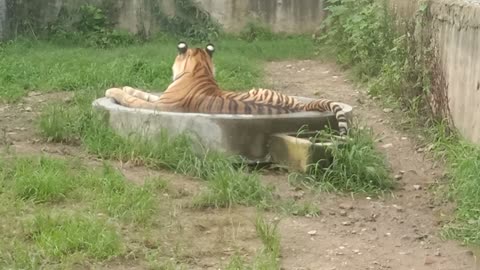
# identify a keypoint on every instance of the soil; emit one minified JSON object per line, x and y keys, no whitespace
{"x":400,"y":230}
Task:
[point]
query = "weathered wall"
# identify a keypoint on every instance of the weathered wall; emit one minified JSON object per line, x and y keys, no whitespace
{"x":458,"y":35}
{"x":455,"y":27}
{"x":292,"y":16}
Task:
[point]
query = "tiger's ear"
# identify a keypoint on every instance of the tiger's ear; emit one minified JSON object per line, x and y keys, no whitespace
{"x":182,"y":47}
{"x":210,"y":49}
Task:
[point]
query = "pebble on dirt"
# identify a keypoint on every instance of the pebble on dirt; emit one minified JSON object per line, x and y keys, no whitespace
{"x":347,"y":206}
{"x":417,"y":187}
{"x":388,"y":110}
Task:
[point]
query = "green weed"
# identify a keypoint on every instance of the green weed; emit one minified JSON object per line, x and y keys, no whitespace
{"x":357,"y":166}
{"x":229,"y":186}
{"x":268,"y":257}
{"x":463,"y":161}
{"x":292,"y":207}
{"x":41,"y":180}
{"x":123,"y":200}
{"x":65,"y":235}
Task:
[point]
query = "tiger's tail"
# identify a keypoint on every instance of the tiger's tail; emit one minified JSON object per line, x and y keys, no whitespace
{"x":328,"y":105}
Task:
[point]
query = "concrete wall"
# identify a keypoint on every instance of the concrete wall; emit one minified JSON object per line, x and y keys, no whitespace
{"x":455,"y":27}
{"x":292,"y":16}
{"x":459,"y":45}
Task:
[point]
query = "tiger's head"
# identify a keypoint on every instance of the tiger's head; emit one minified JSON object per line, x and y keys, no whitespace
{"x":193,"y":60}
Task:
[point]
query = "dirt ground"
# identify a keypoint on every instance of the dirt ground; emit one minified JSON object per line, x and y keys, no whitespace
{"x":398,"y":231}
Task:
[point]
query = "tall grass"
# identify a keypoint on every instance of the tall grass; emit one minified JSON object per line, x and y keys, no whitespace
{"x":356,"y":165}
{"x":463,"y":163}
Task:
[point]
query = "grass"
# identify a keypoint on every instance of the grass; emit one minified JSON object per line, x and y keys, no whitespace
{"x":227,"y":184}
{"x":357,"y":166}
{"x":268,"y":257}
{"x":66,"y":235}
{"x":43,"y":66}
{"x":463,"y":163}
{"x":100,"y":218}
{"x":57,"y":211}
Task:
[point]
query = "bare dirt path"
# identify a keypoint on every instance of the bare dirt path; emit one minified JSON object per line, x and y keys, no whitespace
{"x":400,"y":231}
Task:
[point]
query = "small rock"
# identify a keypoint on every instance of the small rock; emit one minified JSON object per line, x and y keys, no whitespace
{"x":401,"y":172}
{"x":398,"y":177}
{"x":429,"y":260}
{"x":420,"y":150}
{"x":388,"y":145}
{"x":388,"y":234}
{"x":343,"y":213}
{"x":68,"y":100}
{"x":437,"y":253}
{"x":298,"y":195}
{"x":388,"y":110}
{"x":417,"y":187}
{"x":312,"y":232}
{"x":356,"y":251}
{"x":33,"y":93}
{"x":346,"y":223}
{"x":28,"y":109}
{"x":347,"y":206}
{"x":368,"y":198}
{"x":288,"y":66}
{"x":404,"y":138}
{"x":399,"y":208}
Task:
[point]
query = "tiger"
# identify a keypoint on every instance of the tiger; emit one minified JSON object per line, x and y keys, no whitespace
{"x":194,"y":89}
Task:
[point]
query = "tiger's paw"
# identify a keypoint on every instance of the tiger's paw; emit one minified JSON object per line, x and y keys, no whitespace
{"x":113,"y":93}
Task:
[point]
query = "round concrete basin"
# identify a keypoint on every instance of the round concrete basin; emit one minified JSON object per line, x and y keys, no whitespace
{"x":237,"y":134}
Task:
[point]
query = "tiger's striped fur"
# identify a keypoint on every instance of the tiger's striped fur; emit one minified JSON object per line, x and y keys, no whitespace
{"x":194,"y":89}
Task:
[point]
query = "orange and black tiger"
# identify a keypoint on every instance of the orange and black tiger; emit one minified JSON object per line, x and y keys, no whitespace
{"x":194,"y":89}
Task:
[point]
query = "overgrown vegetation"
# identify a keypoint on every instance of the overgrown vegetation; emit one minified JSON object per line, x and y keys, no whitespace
{"x":356,"y":165}
{"x":190,"y":23}
{"x":397,"y":60}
